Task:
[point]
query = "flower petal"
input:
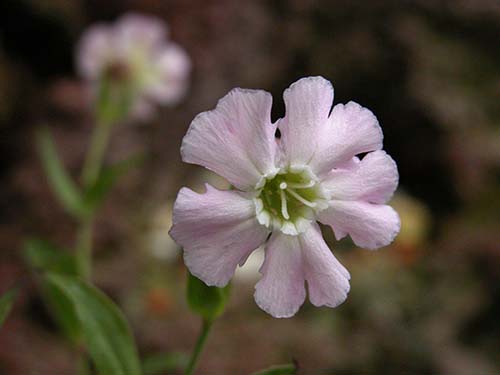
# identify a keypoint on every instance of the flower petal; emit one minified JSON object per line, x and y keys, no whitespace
{"x":327,"y":279}
{"x":169,"y":83}
{"x":281,"y":290}
{"x":235,"y":140}
{"x":352,"y":130}
{"x":308,"y":102}
{"x":139,"y":31}
{"x":374,"y":179}
{"x":93,"y":50}
{"x":217,"y":230}
{"x":370,"y":225}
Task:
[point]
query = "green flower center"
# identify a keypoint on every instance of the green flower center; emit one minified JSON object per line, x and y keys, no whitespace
{"x":289,"y":200}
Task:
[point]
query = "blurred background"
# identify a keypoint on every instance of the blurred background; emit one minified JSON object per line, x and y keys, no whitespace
{"x":429,"y":70}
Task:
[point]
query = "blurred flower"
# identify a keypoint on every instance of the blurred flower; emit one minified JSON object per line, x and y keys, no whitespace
{"x":135,"y":55}
{"x":415,"y":226}
{"x":282,"y":187}
{"x":159,"y":242}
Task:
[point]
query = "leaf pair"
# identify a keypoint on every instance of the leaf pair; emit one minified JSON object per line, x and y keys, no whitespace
{"x":83,"y":312}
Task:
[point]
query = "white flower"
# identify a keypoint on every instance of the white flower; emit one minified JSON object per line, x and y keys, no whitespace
{"x":136,"y":54}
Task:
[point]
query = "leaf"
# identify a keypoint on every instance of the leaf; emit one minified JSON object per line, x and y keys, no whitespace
{"x":6,"y":302}
{"x":47,"y":257}
{"x":104,"y":328}
{"x":43,"y":255}
{"x":288,"y":369}
{"x":95,"y":194}
{"x":207,"y":301}
{"x":59,"y":180}
{"x":158,"y":364}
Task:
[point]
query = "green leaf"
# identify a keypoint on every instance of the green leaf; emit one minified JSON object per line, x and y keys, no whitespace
{"x":104,"y":328}
{"x":288,"y":369}
{"x":61,"y":183}
{"x":47,"y":257}
{"x":206,"y":301}
{"x":6,"y":302}
{"x":95,"y":194}
{"x":158,"y":364}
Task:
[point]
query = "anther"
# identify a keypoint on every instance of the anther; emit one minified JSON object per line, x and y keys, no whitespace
{"x":283,"y":185}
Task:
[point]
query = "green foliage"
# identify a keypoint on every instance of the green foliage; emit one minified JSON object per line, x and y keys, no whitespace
{"x":158,"y":364}
{"x":288,"y":369}
{"x":207,"y":301}
{"x":96,"y":193}
{"x":61,"y":183}
{"x":6,"y":302}
{"x":104,"y":328}
{"x":114,"y":99}
{"x":45,"y":256}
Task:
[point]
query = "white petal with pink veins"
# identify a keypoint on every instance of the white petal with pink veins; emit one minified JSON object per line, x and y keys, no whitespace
{"x":374,"y":179}
{"x":327,"y":279}
{"x":281,"y":290}
{"x":370,"y":225}
{"x":308,"y":102}
{"x":235,"y":140}
{"x":217,"y":230}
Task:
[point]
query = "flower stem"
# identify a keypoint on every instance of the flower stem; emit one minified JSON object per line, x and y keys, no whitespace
{"x":84,"y":249}
{"x":200,"y":343}
{"x":90,"y":174}
{"x":93,"y":161}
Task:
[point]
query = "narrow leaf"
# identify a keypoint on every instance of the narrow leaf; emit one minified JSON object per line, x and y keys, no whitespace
{"x":47,"y":257}
{"x":288,"y":369}
{"x":61,"y":183}
{"x":158,"y":364}
{"x":207,"y":301}
{"x":95,"y":194}
{"x":104,"y":328}
{"x":6,"y":302}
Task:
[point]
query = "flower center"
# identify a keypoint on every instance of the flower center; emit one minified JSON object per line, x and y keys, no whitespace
{"x":117,"y":72}
{"x":289,"y":200}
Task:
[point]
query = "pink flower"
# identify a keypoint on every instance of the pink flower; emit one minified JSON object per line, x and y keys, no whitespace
{"x":135,"y":51}
{"x":282,"y":186}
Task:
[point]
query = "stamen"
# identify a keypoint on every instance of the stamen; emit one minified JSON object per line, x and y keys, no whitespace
{"x":284,"y":208}
{"x":299,"y":198}
{"x":301,"y":186}
{"x":283,"y":185}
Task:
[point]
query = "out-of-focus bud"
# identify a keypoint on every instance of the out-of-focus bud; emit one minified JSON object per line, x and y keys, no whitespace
{"x":415,"y":226}
{"x":160,"y":244}
{"x":132,"y":65}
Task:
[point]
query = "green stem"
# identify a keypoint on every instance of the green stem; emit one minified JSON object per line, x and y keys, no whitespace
{"x":200,"y":343}
{"x":90,"y":174}
{"x":84,"y":249}
{"x":93,"y":161}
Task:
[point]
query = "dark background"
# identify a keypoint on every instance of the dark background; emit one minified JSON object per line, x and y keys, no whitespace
{"x":429,"y":70}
